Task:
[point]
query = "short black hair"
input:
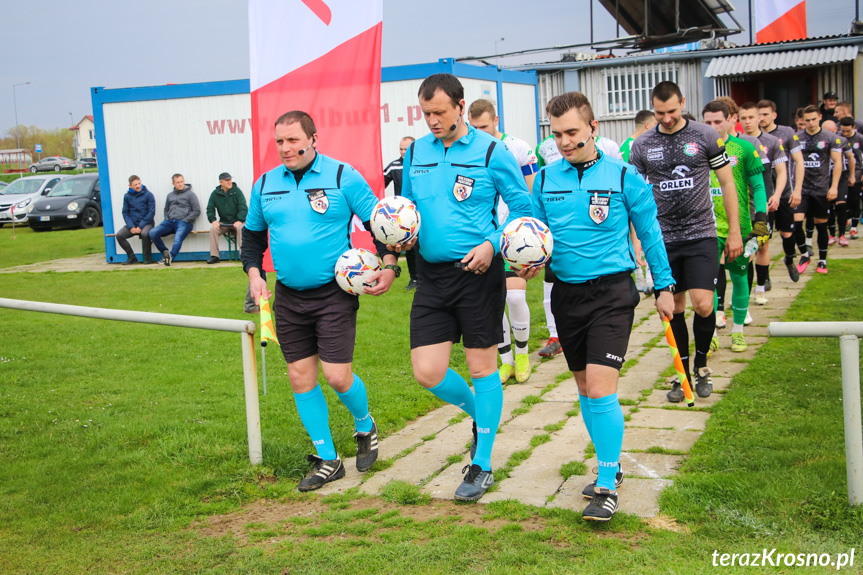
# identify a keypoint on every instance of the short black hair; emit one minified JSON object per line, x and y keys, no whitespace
{"x":643,"y":117}
{"x":767,"y":104}
{"x":665,"y":90}
{"x":811,"y":109}
{"x":447,"y":83}
{"x":847,"y":121}
{"x":716,"y":106}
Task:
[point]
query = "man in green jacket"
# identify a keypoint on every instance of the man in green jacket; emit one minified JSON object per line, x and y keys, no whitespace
{"x":229,"y":202}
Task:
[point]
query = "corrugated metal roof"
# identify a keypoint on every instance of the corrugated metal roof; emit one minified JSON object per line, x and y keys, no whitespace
{"x":780,"y":60}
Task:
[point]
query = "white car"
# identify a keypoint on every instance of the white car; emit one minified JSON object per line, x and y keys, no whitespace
{"x":17,"y":196}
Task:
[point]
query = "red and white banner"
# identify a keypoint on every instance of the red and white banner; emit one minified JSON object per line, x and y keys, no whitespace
{"x":780,"y":20}
{"x":322,"y":57}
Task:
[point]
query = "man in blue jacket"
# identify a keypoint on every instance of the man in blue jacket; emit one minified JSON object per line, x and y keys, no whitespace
{"x":139,"y":209}
{"x":588,"y":201}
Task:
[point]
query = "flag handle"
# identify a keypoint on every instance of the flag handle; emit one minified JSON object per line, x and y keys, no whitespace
{"x":678,"y":363}
{"x":264,"y":365}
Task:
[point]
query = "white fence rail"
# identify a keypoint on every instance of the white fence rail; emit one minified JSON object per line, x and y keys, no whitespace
{"x":246,"y":329}
{"x":848,"y":333}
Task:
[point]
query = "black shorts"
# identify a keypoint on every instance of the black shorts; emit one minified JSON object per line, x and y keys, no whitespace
{"x":814,"y":206}
{"x":451,"y":304}
{"x":693,"y":264}
{"x":319,"y":321}
{"x":594,"y":320}
{"x":842,"y":190}
{"x":549,"y":274}
{"x":784,"y":215}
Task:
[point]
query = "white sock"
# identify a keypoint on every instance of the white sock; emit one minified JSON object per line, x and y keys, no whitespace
{"x":546,"y":303}
{"x":759,"y":289}
{"x":737,"y":328}
{"x":809,"y":242}
{"x":506,"y":344}
{"x":519,"y":312}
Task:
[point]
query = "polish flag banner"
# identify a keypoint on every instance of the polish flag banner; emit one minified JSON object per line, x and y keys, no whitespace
{"x":780,"y":20}
{"x":322,"y":57}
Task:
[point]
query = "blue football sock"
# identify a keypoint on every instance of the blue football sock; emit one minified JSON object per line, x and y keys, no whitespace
{"x":489,"y":404}
{"x":357,"y":402}
{"x":315,"y":416}
{"x":608,"y":437}
{"x":455,"y":390}
{"x":586,"y":415}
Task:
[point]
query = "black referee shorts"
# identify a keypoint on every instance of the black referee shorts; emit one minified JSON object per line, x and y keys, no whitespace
{"x":451,"y":304}
{"x":594,"y":319}
{"x":319,"y":321}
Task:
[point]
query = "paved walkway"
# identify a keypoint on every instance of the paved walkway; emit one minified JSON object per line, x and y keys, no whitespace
{"x":432,"y":450}
{"x":97,"y":263}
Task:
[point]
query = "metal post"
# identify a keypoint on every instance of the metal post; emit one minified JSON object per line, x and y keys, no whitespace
{"x":253,"y":410}
{"x":849,"y":349}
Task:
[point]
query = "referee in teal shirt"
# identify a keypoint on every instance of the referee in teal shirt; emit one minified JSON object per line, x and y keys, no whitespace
{"x":455,"y":176}
{"x":306,"y":206}
{"x":588,"y":202}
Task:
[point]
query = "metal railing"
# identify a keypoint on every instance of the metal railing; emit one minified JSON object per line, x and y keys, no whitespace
{"x":848,"y":333}
{"x":246,"y":329}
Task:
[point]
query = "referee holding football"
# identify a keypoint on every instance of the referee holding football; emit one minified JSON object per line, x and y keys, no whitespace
{"x":454,"y":176}
{"x":307,"y":205}
{"x":588,"y":201}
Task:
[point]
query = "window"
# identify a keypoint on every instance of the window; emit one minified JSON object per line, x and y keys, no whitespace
{"x":92,"y":135}
{"x":549,"y":85}
{"x":626,"y":90}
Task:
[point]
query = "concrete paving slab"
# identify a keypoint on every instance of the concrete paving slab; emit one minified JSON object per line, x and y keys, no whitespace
{"x":658,"y":399}
{"x":642,"y":439}
{"x":540,"y":415}
{"x":665,"y":418}
{"x":506,"y":443}
{"x":643,"y":465}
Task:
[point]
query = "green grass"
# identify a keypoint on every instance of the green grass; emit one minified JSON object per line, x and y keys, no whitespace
{"x":29,"y":247}
{"x":164,"y":450}
{"x":567,"y":470}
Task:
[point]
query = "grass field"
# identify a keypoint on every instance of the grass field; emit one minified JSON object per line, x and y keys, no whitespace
{"x":124,"y":446}
{"x":24,"y":246}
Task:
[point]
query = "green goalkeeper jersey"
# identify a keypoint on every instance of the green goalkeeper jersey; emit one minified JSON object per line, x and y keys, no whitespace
{"x":746,"y":166}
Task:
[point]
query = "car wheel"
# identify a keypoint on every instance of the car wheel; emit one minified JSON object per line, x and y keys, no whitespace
{"x":38,"y":229}
{"x":89,"y":217}
{"x":33,"y":170}
{"x":57,"y":168}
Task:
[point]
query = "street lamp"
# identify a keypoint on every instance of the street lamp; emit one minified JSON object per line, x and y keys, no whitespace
{"x":496,"y":43}
{"x":15,"y":102}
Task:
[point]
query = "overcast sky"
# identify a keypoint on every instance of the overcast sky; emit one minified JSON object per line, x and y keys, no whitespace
{"x":65,"y":48}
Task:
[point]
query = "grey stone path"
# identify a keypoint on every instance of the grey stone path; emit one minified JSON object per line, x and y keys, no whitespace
{"x":432,"y":450}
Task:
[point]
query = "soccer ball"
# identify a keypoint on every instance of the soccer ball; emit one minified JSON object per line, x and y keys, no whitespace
{"x":395,"y":220}
{"x":526,"y":243}
{"x":353,"y":266}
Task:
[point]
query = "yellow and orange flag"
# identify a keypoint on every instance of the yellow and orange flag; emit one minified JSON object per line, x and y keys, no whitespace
{"x":267,"y":331}
{"x":675,"y":355}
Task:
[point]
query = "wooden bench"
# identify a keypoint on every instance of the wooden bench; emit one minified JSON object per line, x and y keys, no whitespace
{"x":231,"y":238}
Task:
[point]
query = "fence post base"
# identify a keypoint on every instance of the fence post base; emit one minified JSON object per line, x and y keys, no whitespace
{"x":253,"y":411}
{"x":849,"y":348}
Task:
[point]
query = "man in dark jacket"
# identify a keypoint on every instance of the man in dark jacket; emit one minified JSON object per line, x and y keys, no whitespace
{"x":181,"y":210}
{"x":228,"y":200}
{"x":139,"y":208}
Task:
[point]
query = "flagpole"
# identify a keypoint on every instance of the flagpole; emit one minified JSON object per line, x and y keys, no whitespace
{"x":264,"y":364}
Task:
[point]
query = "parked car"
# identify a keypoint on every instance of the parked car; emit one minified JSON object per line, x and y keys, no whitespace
{"x":20,"y":194}
{"x":53,"y":164}
{"x":75,"y":201}
{"x":3,"y":184}
{"x":87,"y":163}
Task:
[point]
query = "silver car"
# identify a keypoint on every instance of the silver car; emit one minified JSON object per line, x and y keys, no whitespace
{"x":17,"y":196}
{"x":53,"y":164}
